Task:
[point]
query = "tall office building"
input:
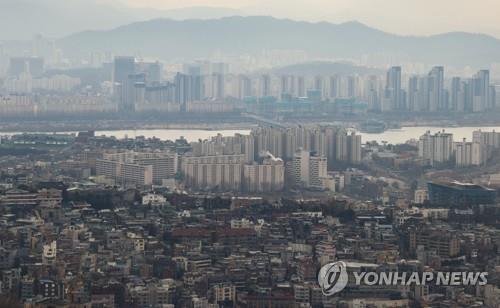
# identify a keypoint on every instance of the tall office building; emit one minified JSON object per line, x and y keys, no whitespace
{"x":220,"y":68}
{"x":45,"y":48}
{"x":284,"y":85}
{"x":436,"y":89}
{"x":334,"y":88}
{"x":423,"y":94}
{"x":244,"y":86}
{"x":413,"y":94}
{"x":195,"y":76}
{"x":351,"y":86}
{"x":292,"y":84}
{"x":132,"y":90}
{"x":183,"y":92}
{"x":301,"y":86}
{"x":122,"y":68}
{"x":151,"y":70}
{"x":457,"y":95}
{"x":158,"y":97}
{"x":265,"y":85}
{"x":393,"y":96}
{"x":370,"y":92}
{"x":481,"y":92}
{"x":319,"y":86}
{"x":218,"y":86}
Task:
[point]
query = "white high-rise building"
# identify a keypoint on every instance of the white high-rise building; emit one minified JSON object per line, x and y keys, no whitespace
{"x":139,"y":168}
{"x":310,"y":171}
{"x":437,"y":148}
{"x":220,"y":172}
{"x":469,"y":154}
{"x":301,"y":168}
{"x":489,"y":141}
{"x":317,"y":171}
{"x":348,"y":147}
{"x":125,"y":172}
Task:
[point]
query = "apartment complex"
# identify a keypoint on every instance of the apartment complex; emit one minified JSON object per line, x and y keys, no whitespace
{"x":436,"y":148}
{"x":222,"y":172}
{"x":267,"y":175}
{"x":137,"y":168}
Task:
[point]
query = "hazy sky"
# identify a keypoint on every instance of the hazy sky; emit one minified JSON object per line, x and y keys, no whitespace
{"x":396,"y":16}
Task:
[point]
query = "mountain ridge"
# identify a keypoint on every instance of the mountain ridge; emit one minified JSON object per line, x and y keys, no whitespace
{"x":198,"y":38}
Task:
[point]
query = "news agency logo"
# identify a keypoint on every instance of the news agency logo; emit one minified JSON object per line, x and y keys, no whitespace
{"x":333,"y":278}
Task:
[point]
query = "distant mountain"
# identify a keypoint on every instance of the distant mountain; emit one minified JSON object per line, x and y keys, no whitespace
{"x":22,"y":19}
{"x":323,"y":68}
{"x":199,"y":12}
{"x":188,"y":39}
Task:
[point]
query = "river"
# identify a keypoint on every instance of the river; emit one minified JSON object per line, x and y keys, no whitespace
{"x":404,"y":134}
{"x":163,"y":134}
{"x":393,"y":136}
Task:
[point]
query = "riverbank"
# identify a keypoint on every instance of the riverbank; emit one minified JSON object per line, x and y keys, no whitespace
{"x":107,"y":125}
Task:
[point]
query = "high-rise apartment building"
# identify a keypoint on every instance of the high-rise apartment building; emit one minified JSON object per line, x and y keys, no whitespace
{"x":266,"y":175}
{"x":219,"y":172}
{"x":437,"y":148}
{"x":300,"y":168}
{"x":137,"y":168}
{"x":309,"y":171}
{"x":125,"y":173}
{"x":318,"y":171}
{"x":469,"y":154}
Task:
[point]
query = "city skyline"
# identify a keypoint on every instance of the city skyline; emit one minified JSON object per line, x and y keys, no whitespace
{"x":209,"y":156}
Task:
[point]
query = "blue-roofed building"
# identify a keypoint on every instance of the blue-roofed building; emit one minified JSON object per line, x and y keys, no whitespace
{"x":453,"y":193}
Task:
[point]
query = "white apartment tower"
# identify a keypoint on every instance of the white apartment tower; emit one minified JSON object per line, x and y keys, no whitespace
{"x":437,"y":148}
